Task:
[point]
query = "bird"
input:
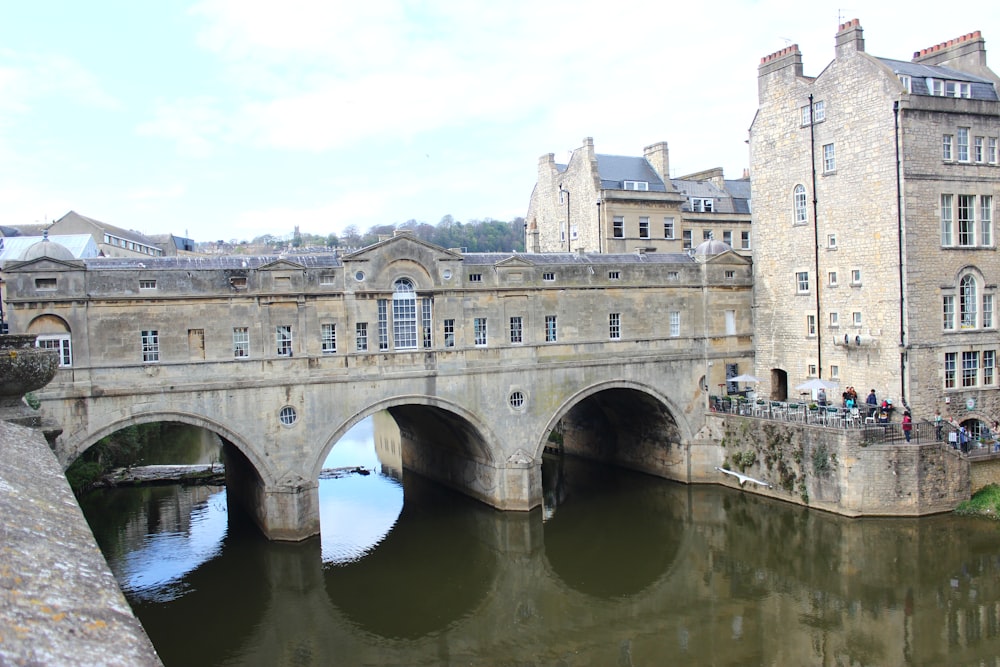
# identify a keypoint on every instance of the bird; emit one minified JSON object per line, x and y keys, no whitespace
{"x":743,"y":478}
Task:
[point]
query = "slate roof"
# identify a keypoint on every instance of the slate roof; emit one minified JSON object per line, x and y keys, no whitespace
{"x":79,"y":245}
{"x":734,"y":199}
{"x":127,"y":234}
{"x":615,"y":169}
{"x":980,"y":88}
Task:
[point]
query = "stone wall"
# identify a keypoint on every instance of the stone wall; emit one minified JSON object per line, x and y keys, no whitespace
{"x":984,"y":471}
{"x":59,"y":602}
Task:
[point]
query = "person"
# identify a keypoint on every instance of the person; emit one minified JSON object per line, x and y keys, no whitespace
{"x":963,"y":439}
{"x":821,"y":397}
{"x":938,"y":425}
{"x":871,"y":402}
{"x":907,"y":425}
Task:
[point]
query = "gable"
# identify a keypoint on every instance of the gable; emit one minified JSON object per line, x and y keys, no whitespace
{"x":44,"y":264}
{"x":281,"y":265}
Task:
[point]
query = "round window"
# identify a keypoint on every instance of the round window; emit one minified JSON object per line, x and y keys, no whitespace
{"x":447,"y":274}
{"x":287,"y":415}
{"x":516,"y":400}
{"x":359,"y":276}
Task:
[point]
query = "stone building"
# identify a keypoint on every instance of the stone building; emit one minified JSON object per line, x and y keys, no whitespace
{"x":875,"y":252}
{"x":618,"y":203}
{"x":112,"y":241}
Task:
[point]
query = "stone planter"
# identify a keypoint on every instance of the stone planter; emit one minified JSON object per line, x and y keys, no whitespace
{"x":23,"y":368}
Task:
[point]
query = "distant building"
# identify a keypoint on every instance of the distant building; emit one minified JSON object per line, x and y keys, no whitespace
{"x":875,"y":251}
{"x":112,"y":241}
{"x":617,"y":203}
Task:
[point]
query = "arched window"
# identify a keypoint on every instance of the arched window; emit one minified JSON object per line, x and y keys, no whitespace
{"x":799,"y":201}
{"x":967,"y":302}
{"x":404,"y":315}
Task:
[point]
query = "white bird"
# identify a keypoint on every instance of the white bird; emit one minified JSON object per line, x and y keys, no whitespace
{"x":743,"y":478}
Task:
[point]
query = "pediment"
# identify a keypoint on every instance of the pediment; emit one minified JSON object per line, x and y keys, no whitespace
{"x":402,"y":245}
{"x":514,"y":262}
{"x":281,"y":265}
{"x":730,"y":257}
{"x":44,"y":264}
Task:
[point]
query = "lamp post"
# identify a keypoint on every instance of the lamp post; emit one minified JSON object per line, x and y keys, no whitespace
{"x":564,"y":193}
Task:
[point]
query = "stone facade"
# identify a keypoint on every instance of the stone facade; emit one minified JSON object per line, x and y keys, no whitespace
{"x":854,"y":274}
{"x":617,"y":203}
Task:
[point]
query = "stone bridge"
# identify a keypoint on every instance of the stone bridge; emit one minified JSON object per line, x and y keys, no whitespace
{"x":479,"y":358}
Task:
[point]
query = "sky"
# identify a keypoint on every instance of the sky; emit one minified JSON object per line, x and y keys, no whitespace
{"x":230,"y":119}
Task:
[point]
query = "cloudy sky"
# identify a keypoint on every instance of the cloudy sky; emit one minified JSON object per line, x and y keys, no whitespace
{"x":227,"y":119}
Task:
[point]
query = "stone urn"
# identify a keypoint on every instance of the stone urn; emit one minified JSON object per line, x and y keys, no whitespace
{"x":23,"y":368}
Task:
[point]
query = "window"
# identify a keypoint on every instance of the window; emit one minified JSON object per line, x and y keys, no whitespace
{"x":328,"y":338}
{"x":475,"y":277}
{"x":989,"y":367}
{"x":707,"y":235}
{"x":834,"y":320}
{"x":551,"y":334}
{"x":615,"y":326}
{"x":147,"y":284}
{"x":287,"y":415}
{"x":819,"y":111}
{"x":947,"y":141}
{"x":404,"y":315}
{"x":643,"y":228}
{"x":950,"y":363}
{"x":948,"y":311}
{"x":806,"y":115}
{"x":856,"y":318}
{"x":947,"y":220}
{"x":614,"y":275}
{"x":327,"y":278}
{"x":802,"y":282}
{"x":45,"y":283}
{"x":727,"y":238}
{"x":963,"y":144}
{"x":673,"y":276}
{"x":966,"y":220}
{"x":970,"y":369}
{"x":150,"y":346}
{"x":675,"y":323}
{"x":799,"y":204}
{"x":241,"y":342}
{"x":361,"y":336}
{"x":686,"y":235}
{"x":907,"y":82}
{"x":426,"y":322}
{"x":702,"y":205}
{"x":449,"y":333}
{"x":283,"y":340}
{"x":238,"y":282}
{"x":730,"y":275}
{"x":516,"y":330}
{"x":967,"y":302}
{"x":831,"y":241}
{"x":668,"y":228}
{"x":745,"y":240}
{"x":618,"y":227}
{"x":832,"y":278}
{"x":383,"y":324}
{"x":978,"y":148}
{"x":811,"y":370}
{"x":479,"y":331}
{"x":829,"y":159}
{"x":61,"y":344}
{"x":730,"y":319}
{"x":548,"y":276}
{"x":635,"y":185}
{"x":986,"y":220}
{"x":855,"y":276}
{"x":987,"y":311}
{"x":573,"y":233}
{"x":834,"y":372}
{"x":991,"y":150}
{"x":810,"y":325}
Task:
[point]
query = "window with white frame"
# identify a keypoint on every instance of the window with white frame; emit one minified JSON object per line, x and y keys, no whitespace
{"x":516,"y":330}
{"x":819,"y":111}
{"x":832,"y":278}
{"x":963,"y":144}
{"x":947,"y":219}
{"x":150,"y":346}
{"x":829,"y":159}
{"x":802,"y":282}
{"x":548,"y":276}
{"x":674,"y":318}
{"x":856,"y":318}
{"x":727,"y":238}
{"x":404,"y":315}
{"x":948,"y":312}
{"x":979,"y":149}
{"x":641,"y":186}
{"x":383,"y":324}
{"x":614,"y":326}
{"x":283,"y":340}
{"x":643,"y":227}
{"x":449,"y":332}
{"x":426,"y":322}
{"x":950,"y":366}
{"x":834,"y":372}
{"x":810,"y":325}
{"x":966,"y":220}
{"x":831,"y":241}
{"x":475,"y":277}
{"x":991,"y":150}
{"x":806,"y":114}
{"x":614,"y":275}
{"x":967,"y":301}
{"x":60,"y":343}
{"x":328,"y":338}
{"x":574,"y":233}
{"x":970,"y":369}
{"x":986,"y":220}
{"x":745,"y":240}
{"x":618,"y":227}
{"x":989,"y":367}
{"x":906,"y":81}
{"x":947,"y":147}
{"x":551,"y":332}
{"x":987,"y":317}
{"x":834,"y":320}
{"x":811,"y":370}
{"x":479,"y":331}
{"x":855,"y":277}
{"x":361,"y":336}
{"x":688,"y":241}
{"x":668,"y":228}
{"x":241,"y":342}
{"x":702,"y":204}
{"x":147,"y":284}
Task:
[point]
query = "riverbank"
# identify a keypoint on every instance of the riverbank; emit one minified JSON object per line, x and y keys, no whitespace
{"x":984,"y":503}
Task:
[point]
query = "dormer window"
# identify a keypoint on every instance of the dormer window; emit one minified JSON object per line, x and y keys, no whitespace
{"x":642,"y":186}
{"x":906,"y":81}
{"x":702,"y":205}
{"x":942,"y":88}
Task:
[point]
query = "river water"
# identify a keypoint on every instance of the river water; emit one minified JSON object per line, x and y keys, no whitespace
{"x":618,"y":568}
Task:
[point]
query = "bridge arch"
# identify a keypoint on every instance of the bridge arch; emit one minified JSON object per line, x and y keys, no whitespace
{"x":651,"y":425}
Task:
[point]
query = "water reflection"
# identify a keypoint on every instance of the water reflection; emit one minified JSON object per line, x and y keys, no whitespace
{"x":625,"y":570}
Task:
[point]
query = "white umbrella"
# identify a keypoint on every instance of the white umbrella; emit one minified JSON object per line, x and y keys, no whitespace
{"x":743,"y":378}
{"x":816,"y":383}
